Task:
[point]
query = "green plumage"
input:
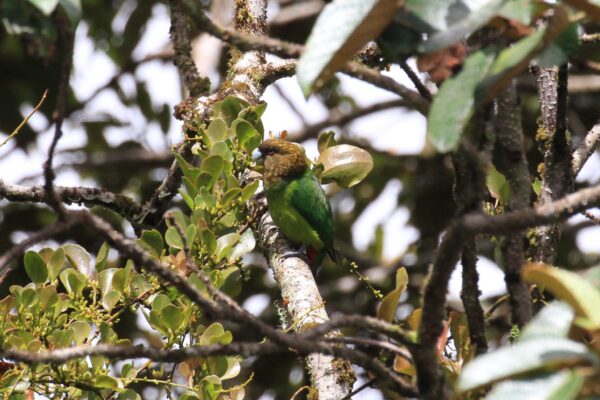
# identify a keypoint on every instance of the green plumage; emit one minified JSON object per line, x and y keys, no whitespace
{"x":297,"y":202}
{"x":300,"y":209}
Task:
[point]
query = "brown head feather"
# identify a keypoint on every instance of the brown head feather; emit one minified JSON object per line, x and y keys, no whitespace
{"x":283,"y":160}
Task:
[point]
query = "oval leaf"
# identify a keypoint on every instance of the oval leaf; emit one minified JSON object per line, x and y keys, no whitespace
{"x":453,"y":106}
{"x":564,"y":385}
{"x":35,"y":267}
{"x":79,"y":258}
{"x":345,"y":164}
{"x":570,"y":287}
{"x":523,"y":357}
{"x":342,"y":28}
{"x":387,"y":310}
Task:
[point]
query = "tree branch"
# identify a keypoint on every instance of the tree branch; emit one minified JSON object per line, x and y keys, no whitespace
{"x":430,"y":375}
{"x":180,"y":37}
{"x":121,"y":204}
{"x":557,"y":177}
{"x":585,"y":149}
{"x":46,"y":233}
{"x":246,"y":42}
{"x":513,"y":165}
{"x":67,"y":38}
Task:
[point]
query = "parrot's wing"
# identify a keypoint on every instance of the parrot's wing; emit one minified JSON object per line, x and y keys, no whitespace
{"x":311,"y":203}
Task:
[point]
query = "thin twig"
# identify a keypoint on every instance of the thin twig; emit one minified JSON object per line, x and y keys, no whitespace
{"x":24,"y":122}
{"x":46,"y":233}
{"x":592,"y":217}
{"x":359,"y":389}
{"x":421,"y":88}
{"x":585,"y":149}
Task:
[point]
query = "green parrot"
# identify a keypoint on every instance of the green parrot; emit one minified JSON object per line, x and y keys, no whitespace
{"x":296,"y":200}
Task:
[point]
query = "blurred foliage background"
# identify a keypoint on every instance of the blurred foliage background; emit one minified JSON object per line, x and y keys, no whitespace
{"x":121,"y":134}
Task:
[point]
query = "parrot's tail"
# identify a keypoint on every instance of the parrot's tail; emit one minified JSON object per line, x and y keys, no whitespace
{"x":334,"y":254}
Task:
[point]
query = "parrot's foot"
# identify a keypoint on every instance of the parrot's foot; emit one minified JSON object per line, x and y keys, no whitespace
{"x":294,"y":254}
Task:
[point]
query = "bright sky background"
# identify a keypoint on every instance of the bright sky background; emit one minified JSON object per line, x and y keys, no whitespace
{"x":396,"y":131}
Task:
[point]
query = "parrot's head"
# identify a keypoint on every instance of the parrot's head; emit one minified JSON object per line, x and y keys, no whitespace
{"x":281,"y":159}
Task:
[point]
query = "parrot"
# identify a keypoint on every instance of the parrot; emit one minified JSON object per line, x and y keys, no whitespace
{"x":296,"y":200}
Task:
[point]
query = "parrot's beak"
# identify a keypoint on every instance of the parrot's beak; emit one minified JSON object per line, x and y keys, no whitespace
{"x":259,"y":160}
{"x":257,"y":157}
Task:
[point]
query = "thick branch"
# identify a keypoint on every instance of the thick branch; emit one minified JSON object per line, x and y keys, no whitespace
{"x":459,"y":232}
{"x":246,"y":42}
{"x":332,"y":378}
{"x":67,"y":39}
{"x":557,"y":177}
{"x":509,"y":133}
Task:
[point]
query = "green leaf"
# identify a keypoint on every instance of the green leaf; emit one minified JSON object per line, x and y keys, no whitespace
{"x":325,"y":140}
{"x":564,"y":46}
{"x":217,"y":130}
{"x":29,"y":297}
{"x":553,"y":321}
{"x":530,"y":356}
{"x":35,"y":267}
{"x":56,"y":263}
{"x":222,"y":150}
{"x":249,"y":190}
{"x":453,"y":106}
{"x":101,"y":257}
{"x":578,"y":292}
{"x":108,"y":382}
{"x":105,"y":279}
{"x":342,"y":28}
{"x":159,"y":302}
{"x":536,"y":185}
{"x":232,"y":369}
{"x":48,"y":297}
{"x":173,"y":238}
{"x":229,"y":109}
{"x":45,"y":6}
{"x":81,"y":331}
{"x":153,"y":241}
{"x":215,"y":334}
{"x":107,"y":334}
{"x":518,"y":10}
{"x":345,"y":165}
{"x":122,"y":277}
{"x":173,"y":318}
{"x":110,"y":299}
{"x":79,"y":258}
{"x":563,"y":385}
{"x":224,"y":245}
{"x":209,"y":240}
{"x":204,"y":179}
{"x":129,"y":394}
{"x":214,"y":166}
{"x":389,"y":304}
{"x":245,"y":245}
{"x":189,"y":171}
{"x":497,"y":185}
{"x":230,"y":195}
{"x":247,"y":135}
{"x":190,"y":234}
{"x":72,"y":9}
{"x":468,"y":24}
{"x":73,"y":281}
